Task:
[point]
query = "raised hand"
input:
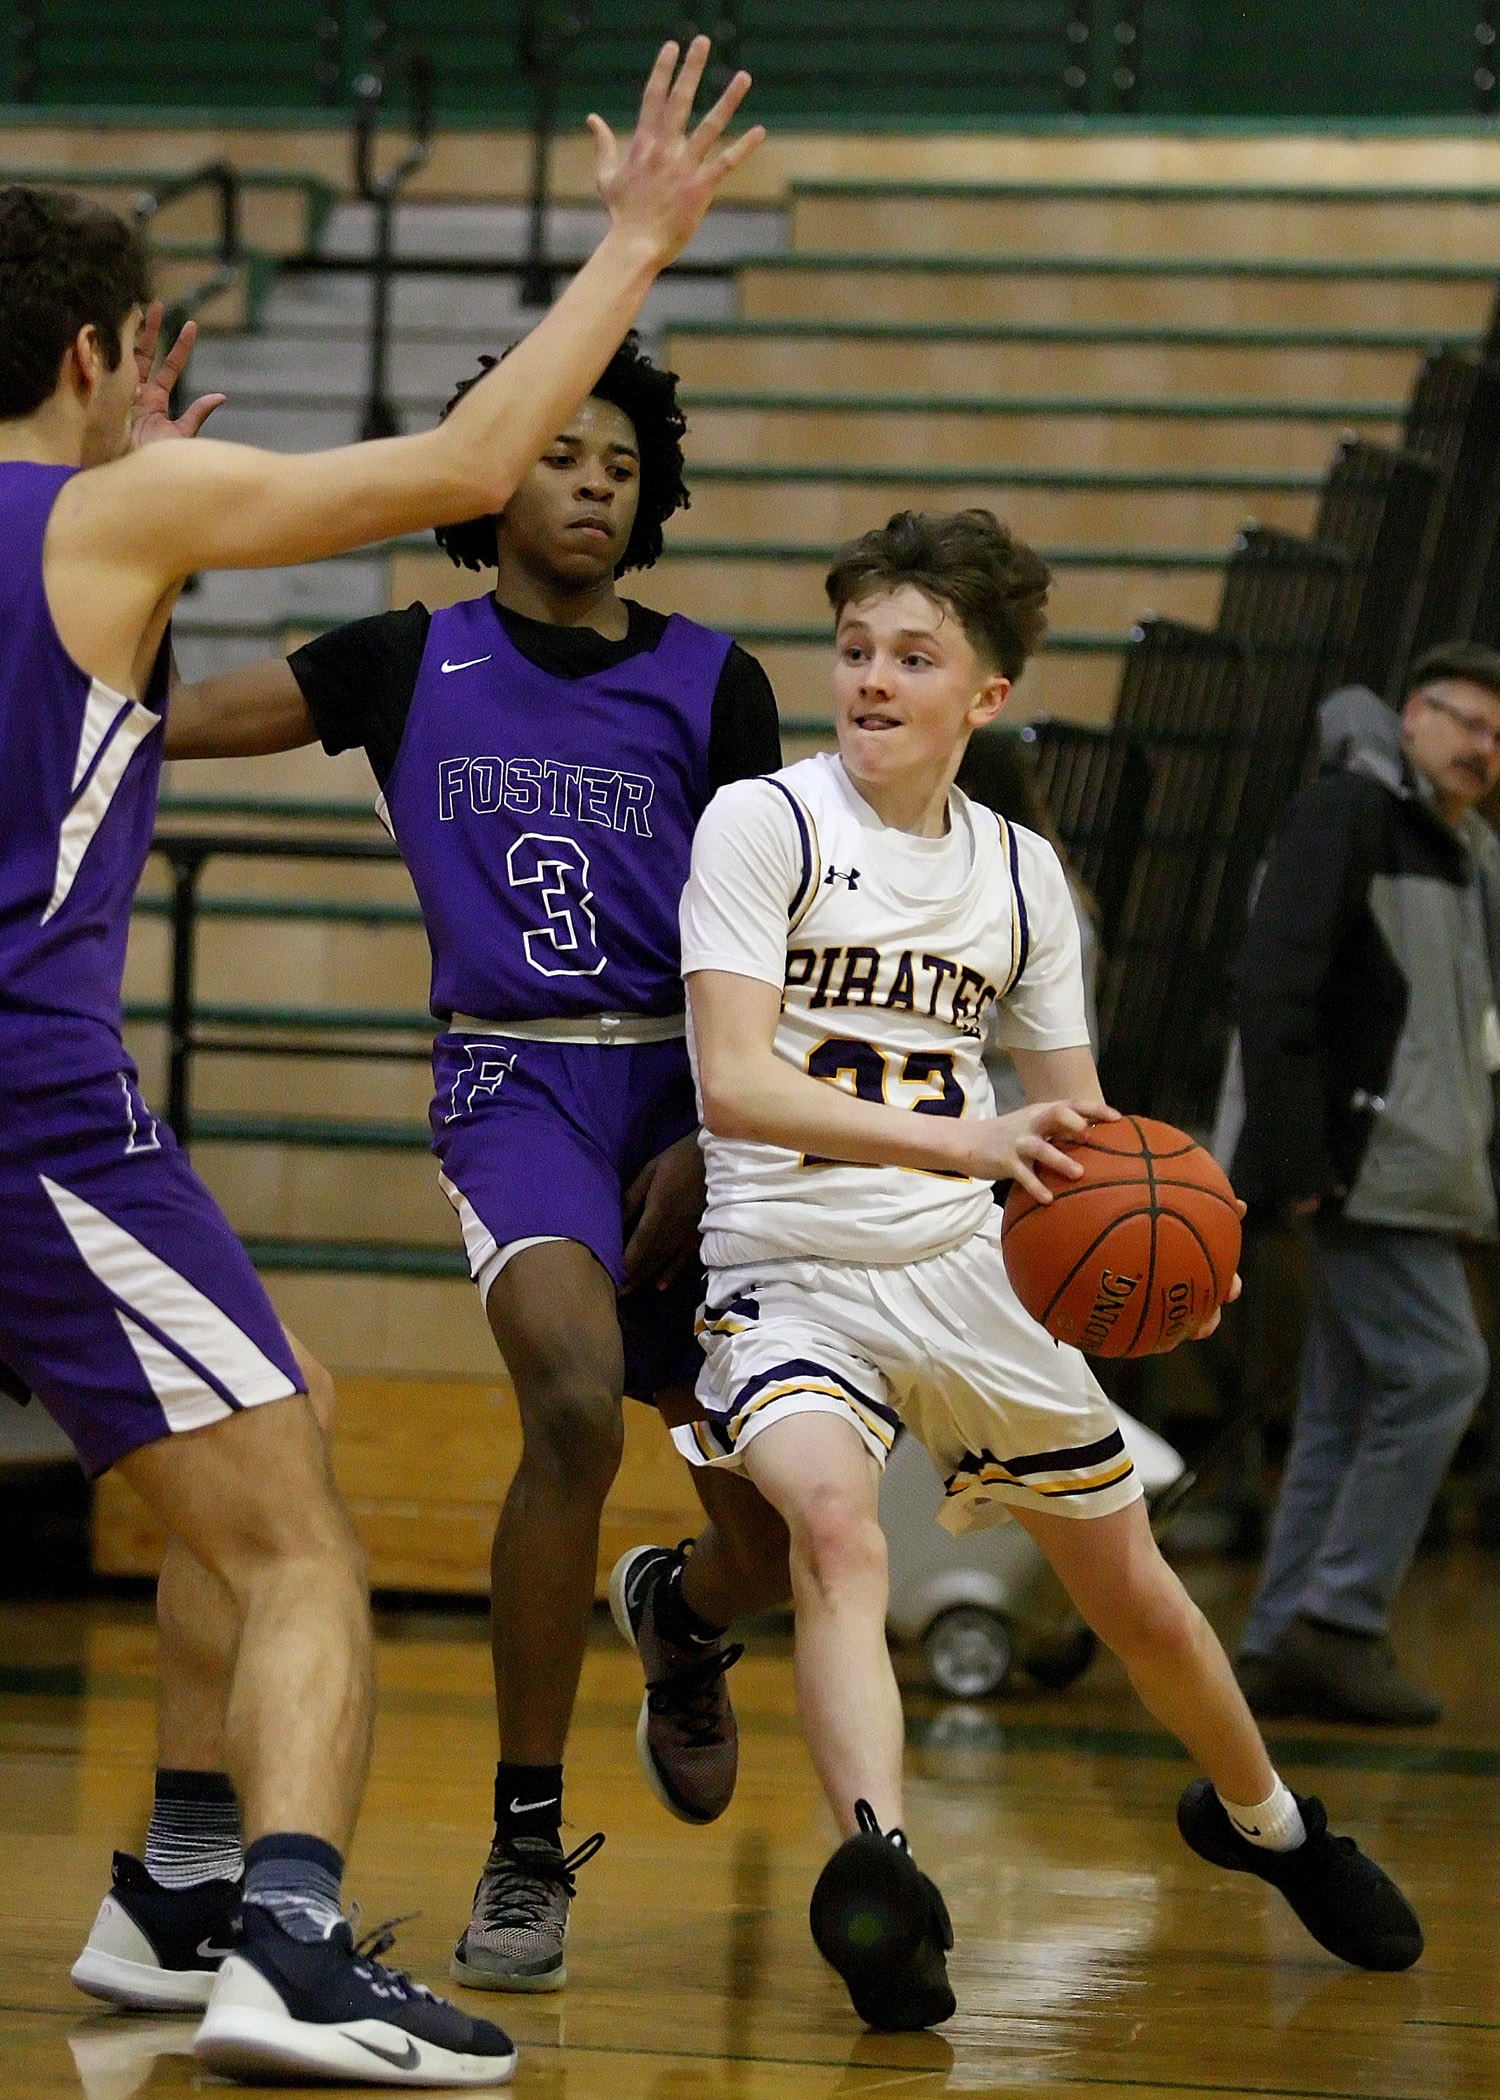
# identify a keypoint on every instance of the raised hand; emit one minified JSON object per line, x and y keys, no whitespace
{"x":661,"y":181}
{"x":151,"y":420}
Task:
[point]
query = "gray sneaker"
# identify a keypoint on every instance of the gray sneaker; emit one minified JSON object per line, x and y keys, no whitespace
{"x":686,"y":1739}
{"x":514,"y":1940}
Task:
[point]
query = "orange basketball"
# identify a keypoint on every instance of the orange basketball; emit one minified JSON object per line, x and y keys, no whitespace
{"x":1136,"y":1255}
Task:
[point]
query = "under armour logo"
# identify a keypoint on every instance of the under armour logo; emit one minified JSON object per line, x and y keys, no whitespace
{"x":837,"y":875}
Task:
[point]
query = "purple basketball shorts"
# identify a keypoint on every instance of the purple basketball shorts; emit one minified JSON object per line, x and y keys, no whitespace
{"x":126,"y":1303}
{"x":543,"y":1140}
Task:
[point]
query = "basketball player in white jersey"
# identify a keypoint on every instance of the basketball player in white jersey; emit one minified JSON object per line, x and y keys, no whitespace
{"x":849,"y":926}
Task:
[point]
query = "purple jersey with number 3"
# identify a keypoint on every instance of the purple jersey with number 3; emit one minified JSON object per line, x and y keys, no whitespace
{"x":547,"y":822}
{"x":80,"y":765}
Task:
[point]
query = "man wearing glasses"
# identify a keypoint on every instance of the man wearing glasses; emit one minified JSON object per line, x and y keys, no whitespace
{"x":1367,"y":1013}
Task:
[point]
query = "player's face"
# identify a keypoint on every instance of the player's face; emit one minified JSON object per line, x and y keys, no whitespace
{"x":106,"y":431}
{"x":1451,"y":731}
{"x":570,"y":520}
{"x":908,"y":687}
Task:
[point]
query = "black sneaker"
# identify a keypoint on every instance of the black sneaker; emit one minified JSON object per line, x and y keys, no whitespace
{"x":1348,"y":1904}
{"x":883,"y":1925}
{"x":686,"y":1740}
{"x":156,"y":1949}
{"x":330,"y":2010}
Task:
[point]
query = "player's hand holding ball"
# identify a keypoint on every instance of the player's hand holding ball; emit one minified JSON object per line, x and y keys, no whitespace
{"x":1122,"y":1237}
{"x":1023,"y":1145}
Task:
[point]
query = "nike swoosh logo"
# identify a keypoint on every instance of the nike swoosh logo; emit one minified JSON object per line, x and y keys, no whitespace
{"x":209,"y":1952}
{"x":521,"y":1808}
{"x":1248,"y":1830}
{"x":467,"y":665}
{"x":407,"y":2060}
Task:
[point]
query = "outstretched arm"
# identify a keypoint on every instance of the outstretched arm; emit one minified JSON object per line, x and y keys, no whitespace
{"x":750,"y":1092}
{"x":123,"y":537}
{"x":243,"y":713}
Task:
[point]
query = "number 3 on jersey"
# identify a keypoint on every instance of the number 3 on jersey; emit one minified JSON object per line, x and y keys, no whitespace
{"x":556,"y":870}
{"x":870,"y":1070}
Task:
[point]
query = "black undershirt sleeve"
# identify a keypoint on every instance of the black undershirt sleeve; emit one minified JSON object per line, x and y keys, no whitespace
{"x":744,"y":736}
{"x":358,"y":683}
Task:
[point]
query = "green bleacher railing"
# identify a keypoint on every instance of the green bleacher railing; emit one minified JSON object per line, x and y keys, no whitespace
{"x":818,"y":63}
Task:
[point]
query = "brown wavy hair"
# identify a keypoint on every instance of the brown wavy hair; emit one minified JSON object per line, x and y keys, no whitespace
{"x":967,"y":559}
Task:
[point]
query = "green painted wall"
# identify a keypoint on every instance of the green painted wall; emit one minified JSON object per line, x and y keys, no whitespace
{"x":844,"y":61}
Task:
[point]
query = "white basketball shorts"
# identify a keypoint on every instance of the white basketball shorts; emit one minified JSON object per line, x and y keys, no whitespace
{"x":1011,"y":1418}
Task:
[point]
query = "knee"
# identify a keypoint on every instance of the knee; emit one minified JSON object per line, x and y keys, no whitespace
{"x":301,"y":1524}
{"x":574,"y":1430}
{"x":1157,"y":1622}
{"x":836,"y":1544}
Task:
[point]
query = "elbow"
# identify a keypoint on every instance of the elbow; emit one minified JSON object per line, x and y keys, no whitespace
{"x":723,"y":1110}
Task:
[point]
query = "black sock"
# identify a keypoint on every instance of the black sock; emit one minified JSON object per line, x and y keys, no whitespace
{"x":195,"y":1830}
{"x":676,"y":1621}
{"x":296,"y":1878}
{"x":528,"y":1801}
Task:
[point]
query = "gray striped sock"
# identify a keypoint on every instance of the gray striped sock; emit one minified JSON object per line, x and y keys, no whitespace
{"x":195,"y":1830}
{"x":298,"y":1880}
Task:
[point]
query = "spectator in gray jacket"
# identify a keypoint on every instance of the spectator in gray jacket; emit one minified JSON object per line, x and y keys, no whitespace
{"x":1370,"y":1042}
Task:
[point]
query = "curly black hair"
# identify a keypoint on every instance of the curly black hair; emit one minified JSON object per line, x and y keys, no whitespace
{"x":645,"y":392}
{"x":967,"y":559}
{"x":64,"y":264}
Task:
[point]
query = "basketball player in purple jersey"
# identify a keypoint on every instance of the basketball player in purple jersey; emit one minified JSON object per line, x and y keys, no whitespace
{"x":125,"y":1302}
{"x":543,"y":754}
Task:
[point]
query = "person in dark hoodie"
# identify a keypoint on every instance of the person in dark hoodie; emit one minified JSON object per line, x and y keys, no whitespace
{"x":1369,"y":1038}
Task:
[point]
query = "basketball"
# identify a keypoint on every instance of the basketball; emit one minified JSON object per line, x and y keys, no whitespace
{"x":1134,"y":1257}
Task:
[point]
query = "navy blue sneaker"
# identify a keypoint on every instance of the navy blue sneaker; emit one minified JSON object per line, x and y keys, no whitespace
{"x":156,"y":1949}
{"x":331,"y":2010}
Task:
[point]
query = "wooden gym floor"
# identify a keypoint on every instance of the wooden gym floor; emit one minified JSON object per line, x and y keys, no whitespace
{"x":1097,"y":1959}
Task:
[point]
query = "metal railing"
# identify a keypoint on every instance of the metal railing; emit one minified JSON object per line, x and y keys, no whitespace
{"x":215,"y":175}
{"x":380,"y":418}
{"x":193,"y":1032}
{"x":542,"y":44}
{"x":1033,"y":57}
{"x":220,"y":177}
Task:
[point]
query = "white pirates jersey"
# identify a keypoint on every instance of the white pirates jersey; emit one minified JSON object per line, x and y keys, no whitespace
{"x":891,"y":952}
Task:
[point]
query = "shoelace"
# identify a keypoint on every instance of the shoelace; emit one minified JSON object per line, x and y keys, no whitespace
{"x":369,"y":1946}
{"x":525,"y":1896}
{"x":689,"y":1694}
{"x":869,"y":1825}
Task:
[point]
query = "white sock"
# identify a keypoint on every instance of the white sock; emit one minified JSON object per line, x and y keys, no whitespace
{"x":1275,"y":1823}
